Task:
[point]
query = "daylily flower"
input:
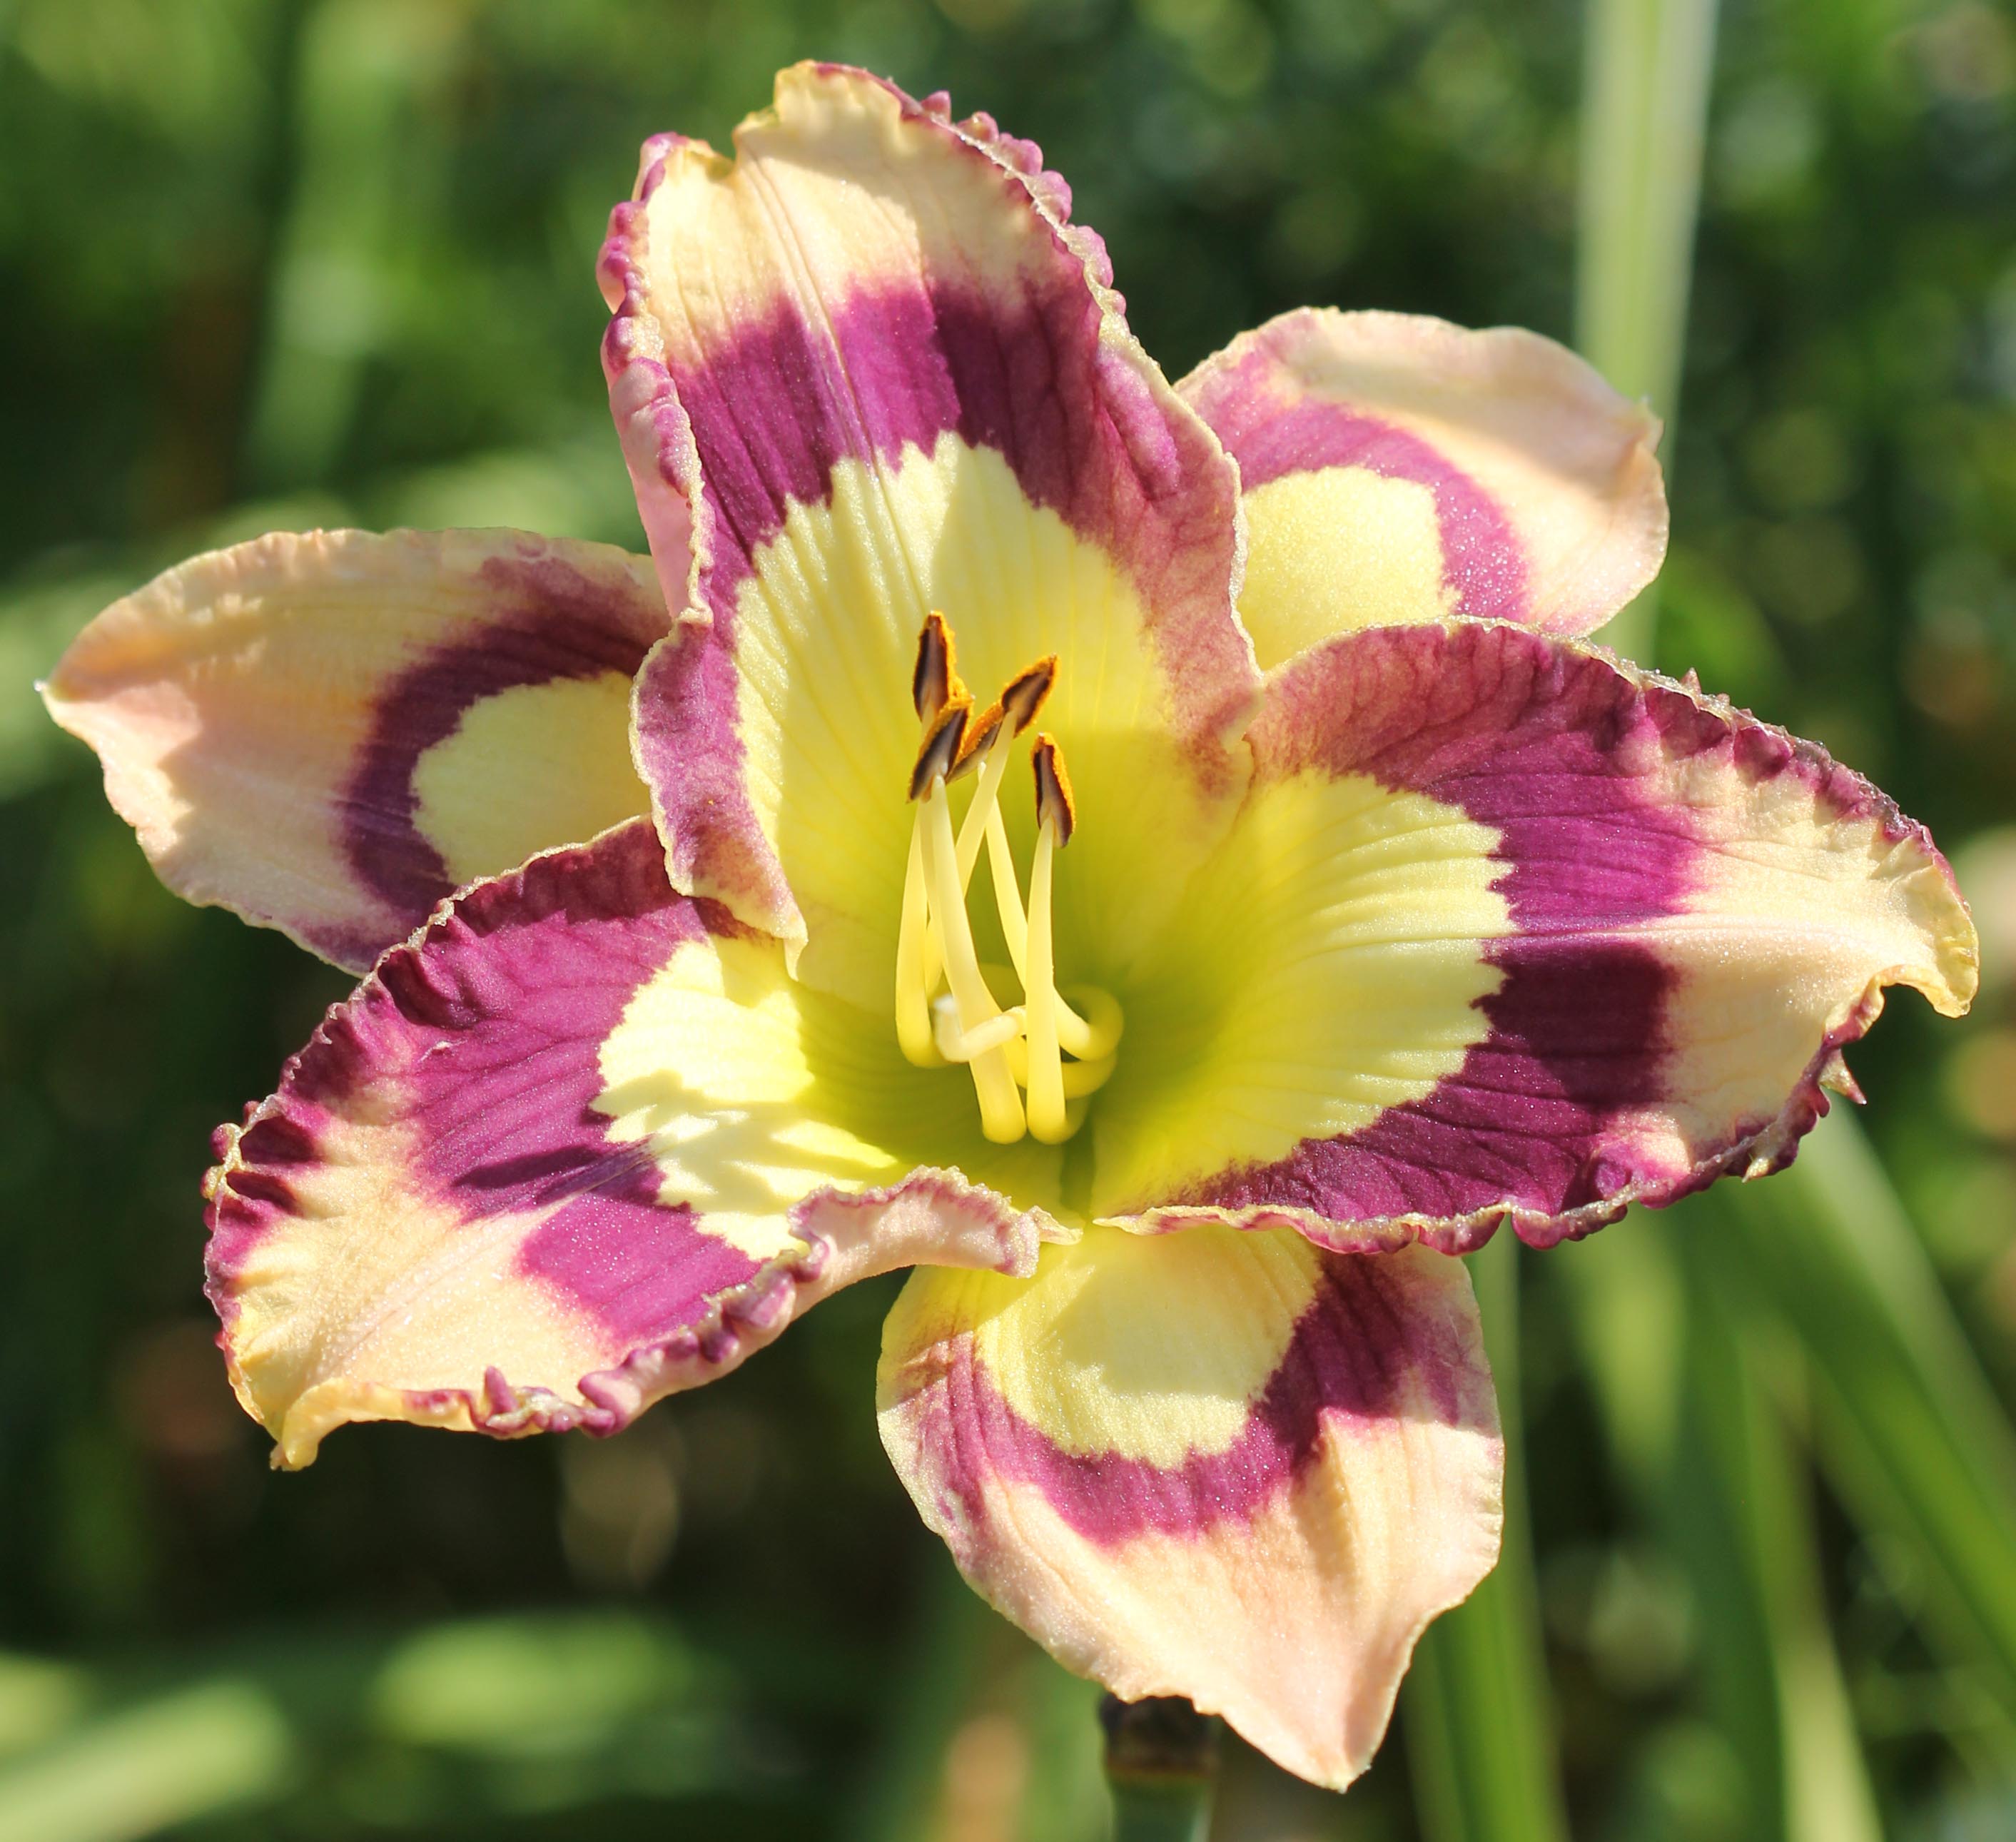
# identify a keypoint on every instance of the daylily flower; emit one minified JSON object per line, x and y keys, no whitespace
{"x":1339,"y":905}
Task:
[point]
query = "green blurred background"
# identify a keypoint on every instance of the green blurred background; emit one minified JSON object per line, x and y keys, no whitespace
{"x":268,"y":263}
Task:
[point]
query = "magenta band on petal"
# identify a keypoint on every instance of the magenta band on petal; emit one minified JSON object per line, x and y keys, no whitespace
{"x":1357,"y":1353}
{"x":506,"y":1122}
{"x":1012,"y":362}
{"x":940,"y":308}
{"x":554,"y":626}
{"x":458,"y":1209}
{"x":1703,"y":910}
{"x":1219,"y":1465}
{"x":1482,"y":561}
{"x":328,"y":732}
{"x":1397,"y":469}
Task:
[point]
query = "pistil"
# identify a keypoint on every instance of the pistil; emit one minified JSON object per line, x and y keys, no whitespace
{"x":1048,"y":1119}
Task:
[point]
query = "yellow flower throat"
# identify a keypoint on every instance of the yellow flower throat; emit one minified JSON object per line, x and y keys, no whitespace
{"x":946,"y":1011}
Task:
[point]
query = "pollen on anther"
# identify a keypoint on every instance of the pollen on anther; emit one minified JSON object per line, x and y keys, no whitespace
{"x":1021,"y":699}
{"x":980,"y":734}
{"x":1028,"y":691}
{"x":940,"y":745}
{"x":1055,"y":807}
{"x":935,"y":678}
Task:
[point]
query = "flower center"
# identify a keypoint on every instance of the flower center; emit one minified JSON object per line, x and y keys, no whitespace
{"x":946,"y":1009}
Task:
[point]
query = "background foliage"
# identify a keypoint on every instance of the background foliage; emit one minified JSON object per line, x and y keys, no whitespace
{"x":268,"y":263}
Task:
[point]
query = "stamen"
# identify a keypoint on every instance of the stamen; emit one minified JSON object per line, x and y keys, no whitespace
{"x":1055,"y":810}
{"x":1029,"y":690}
{"x":916,"y":971}
{"x":981,"y":734}
{"x":1000,"y":1116}
{"x":935,"y":678}
{"x":983,"y":809}
{"x":986,"y":797}
{"x":987,"y":737}
{"x":1094,"y":1036}
{"x":1048,"y":1120}
{"x":940,"y":745}
{"x":986,"y":745}
{"x":1023,"y":1047}
{"x":1008,"y":895}
{"x":1021,"y":698}
{"x":958,"y":1045}
{"x":913,"y":1016}
{"x":1081,"y":1078}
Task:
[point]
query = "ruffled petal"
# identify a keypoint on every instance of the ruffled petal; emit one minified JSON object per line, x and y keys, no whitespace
{"x":1508,"y":929}
{"x":573,"y":1148}
{"x":1215,"y":1464}
{"x":883,"y":374}
{"x":328,"y":733}
{"x":1397,"y":468}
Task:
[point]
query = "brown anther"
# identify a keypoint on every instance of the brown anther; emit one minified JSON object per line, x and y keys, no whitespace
{"x":1025,"y":694}
{"x":1055,"y":807}
{"x":979,"y":734}
{"x":1028,"y":691}
{"x":940,"y":746}
{"x":935,"y":678}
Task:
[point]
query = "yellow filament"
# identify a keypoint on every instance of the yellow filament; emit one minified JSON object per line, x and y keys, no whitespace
{"x":913,"y":984}
{"x":1096,"y":1036}
{"x":1081,"y":1078}
{"x":1001,"y":1116}
{"x":1008,"y":895}
{"x":1021,"y":1048}
{"x":986,"y":801}
{"x":1047,"y":1118}
{"x":958,"y":1045}
{"x":983,"y":818}
{"x":1017,"y":1048}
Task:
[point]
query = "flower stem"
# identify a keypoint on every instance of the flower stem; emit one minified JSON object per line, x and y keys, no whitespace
{"x":1161,"y":1762}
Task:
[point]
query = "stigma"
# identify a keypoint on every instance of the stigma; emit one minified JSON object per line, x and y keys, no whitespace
{"x":948,"y":1012}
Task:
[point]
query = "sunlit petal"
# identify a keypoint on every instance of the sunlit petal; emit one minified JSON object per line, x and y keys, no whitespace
{"x":1220,"y":1465}
{"x":1395,"y":468}
{"x":328,"y":733}
{"x":568,"y":1152}
{"x":1507,"y":928}
{"x":885,"y":375}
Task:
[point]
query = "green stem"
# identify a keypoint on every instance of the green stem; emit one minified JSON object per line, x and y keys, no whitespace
{"x":1161,"y":1763}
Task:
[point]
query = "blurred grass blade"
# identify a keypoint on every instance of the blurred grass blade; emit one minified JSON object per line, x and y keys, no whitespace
{"x":1645,"y":84}
{"x":987,"y":1734}
{"x":1646,"y":69}
{"x":1480,"y":1732}
{"x":365,"y":167}
{"x":1696,"y":1439}
{"x":167,"y":1762}
{"x":1737,"y":1494}
{"x":1910,"y":1429}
